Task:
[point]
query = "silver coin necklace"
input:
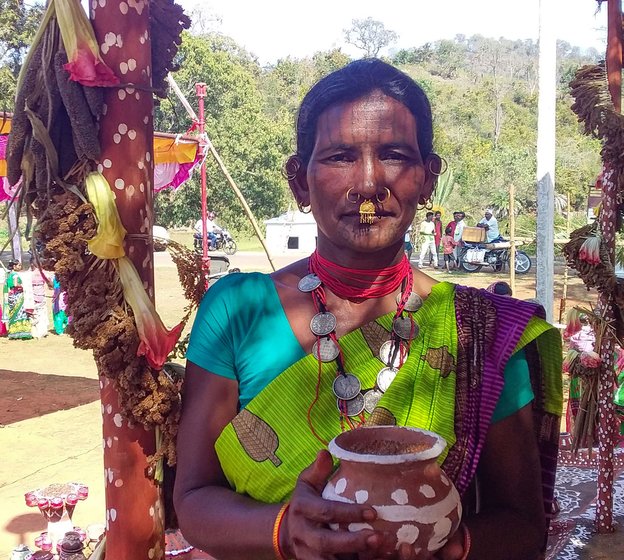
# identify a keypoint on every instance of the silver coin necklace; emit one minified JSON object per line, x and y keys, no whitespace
{"x":351,"y":400}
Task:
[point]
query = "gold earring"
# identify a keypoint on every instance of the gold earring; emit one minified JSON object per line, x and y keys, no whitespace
{"x":291,"y":168}
{"x":304,"y":209}
{"x":385,"y":198}
{"x":424,"y":204}
{"x":443,"y":166}
{"x":355,"y":200}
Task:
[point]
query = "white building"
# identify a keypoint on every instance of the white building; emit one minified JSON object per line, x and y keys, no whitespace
{"x":291,"y":232}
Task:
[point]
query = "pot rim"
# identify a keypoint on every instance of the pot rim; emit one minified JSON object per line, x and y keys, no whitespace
{"x":344,"y":455}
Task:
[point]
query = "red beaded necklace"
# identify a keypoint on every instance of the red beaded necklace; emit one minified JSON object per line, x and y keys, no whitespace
{"x":355,"y":283}
{"x":363,"y":284}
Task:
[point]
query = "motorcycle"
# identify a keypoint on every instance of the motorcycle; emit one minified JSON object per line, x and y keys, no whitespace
{"x":474,"y":256}
{"x":223,"y":242}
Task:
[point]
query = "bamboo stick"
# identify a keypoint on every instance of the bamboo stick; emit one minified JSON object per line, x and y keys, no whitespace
{"x":512,"y":238}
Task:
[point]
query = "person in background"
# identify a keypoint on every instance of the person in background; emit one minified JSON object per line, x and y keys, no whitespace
{"x":59,"y":307}
{"x":409,"y":247}
{"x":453,"y":223}
{"x":40,"y":317}
{"x":501,"y":288}
{"x":260,"y":401}
{"x":448,"y":245}
{"x":427,"y":231}
{"x":490,"y":224}
{"x":437,"y":234}
{"x":4,"y":304}
{"x":211,"y":229}
{"x":19,"y":323}
{"x":457,"y":233}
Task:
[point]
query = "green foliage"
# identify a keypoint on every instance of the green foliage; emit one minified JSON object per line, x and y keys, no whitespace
{"x":251,"y":144}
{"x":18,"y":25}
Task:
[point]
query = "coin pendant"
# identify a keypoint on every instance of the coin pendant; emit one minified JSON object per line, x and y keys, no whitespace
{"x":352,"y":407}
{"x":309,"y":283}
{"x":371,"y":398}
{"x":414,"y":302}
{"x":325,"y":349}
{"x":405,"y":328}
{"x":323,"y":323}
{"x":346,"y":386}
{"x":385,"y":377}
{"x":389,"y":356}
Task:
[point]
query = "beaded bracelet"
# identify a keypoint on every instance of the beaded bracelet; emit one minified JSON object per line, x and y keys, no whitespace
{"x":467,"y":542}
{"x":276,"y":532}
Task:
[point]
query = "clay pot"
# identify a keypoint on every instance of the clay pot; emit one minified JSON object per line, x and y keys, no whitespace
{"x":394,"y":470}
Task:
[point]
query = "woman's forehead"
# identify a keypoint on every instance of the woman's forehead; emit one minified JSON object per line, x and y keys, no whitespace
{"x":369,"y":117}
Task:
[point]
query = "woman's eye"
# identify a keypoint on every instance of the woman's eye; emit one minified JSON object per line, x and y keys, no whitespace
{"x":394,"y":156}
{"x":339,"y":157}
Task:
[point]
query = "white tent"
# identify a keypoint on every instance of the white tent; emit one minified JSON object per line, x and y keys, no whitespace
{"x":291,"y":232}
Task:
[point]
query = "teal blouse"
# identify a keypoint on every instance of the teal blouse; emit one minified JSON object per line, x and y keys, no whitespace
{"x":241,"y":332}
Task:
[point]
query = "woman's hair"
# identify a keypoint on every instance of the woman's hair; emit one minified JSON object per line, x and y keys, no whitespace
{"x":448,"y":230}
{"x":500,"y":288}
{"x":13,"y":263}
{"x":353,"y":81}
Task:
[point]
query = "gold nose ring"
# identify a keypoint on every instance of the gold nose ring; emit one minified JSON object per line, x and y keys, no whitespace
{"x":353,"y":199}
{"x":385,"y":198}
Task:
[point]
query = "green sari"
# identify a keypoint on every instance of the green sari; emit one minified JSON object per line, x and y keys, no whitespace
{"x":19,"y":324}
{"x":449,"y":384}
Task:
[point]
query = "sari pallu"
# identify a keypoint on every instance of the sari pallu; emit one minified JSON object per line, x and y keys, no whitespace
{"x":449,"y":384}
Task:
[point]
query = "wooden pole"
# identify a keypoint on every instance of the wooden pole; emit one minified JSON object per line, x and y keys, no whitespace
{"x":564,"y":293}
{"x":134,"y":512}
{"x":14,"y":232}
{"x":242,"y":200}
{"x":215,"y":154}
{"x":546,"y":156}
{"x":512,"y":238}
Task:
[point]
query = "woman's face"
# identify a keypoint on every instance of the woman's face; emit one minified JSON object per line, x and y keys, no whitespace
{"x":367,"y":145}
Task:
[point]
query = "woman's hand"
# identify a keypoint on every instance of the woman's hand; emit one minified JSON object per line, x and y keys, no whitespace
{"x":452,"y":550}
{"x":305,"y":534}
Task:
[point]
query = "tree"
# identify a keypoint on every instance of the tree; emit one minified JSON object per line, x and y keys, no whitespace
{"x":18,"y":25}
{"x":252,"y":145}
{"x":369,"y":35}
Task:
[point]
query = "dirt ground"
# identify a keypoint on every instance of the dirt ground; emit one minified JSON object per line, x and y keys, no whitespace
{"x":50,"y":422}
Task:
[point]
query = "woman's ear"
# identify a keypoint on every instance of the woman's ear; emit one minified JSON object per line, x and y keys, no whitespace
{"x":434,"y":167}
{"x":295,"y":173}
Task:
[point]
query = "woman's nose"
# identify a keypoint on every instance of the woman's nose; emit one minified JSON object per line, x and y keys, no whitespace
{"x":370,"y":182}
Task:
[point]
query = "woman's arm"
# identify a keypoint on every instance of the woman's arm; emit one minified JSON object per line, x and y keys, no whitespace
{"x":511,"y":524}
{"x":231,"y":526}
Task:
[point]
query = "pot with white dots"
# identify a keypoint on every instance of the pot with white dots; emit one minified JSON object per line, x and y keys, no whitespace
{"x":394,"y":470}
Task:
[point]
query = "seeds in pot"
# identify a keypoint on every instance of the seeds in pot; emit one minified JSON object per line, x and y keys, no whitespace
{"x":385,"y":447}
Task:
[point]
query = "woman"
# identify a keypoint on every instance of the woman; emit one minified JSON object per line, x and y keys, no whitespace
{"x":59,"y":307}
{"x":266,"y":350}
{"x":19,"y":318}
{"x":40,"y":321}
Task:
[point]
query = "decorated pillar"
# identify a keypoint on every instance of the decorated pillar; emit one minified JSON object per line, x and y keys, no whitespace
{"x":134,"y":516}
{"x":608,"y":225}
{"x":606,"y":417}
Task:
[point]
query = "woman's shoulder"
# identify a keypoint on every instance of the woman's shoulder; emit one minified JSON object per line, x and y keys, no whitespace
{"x":238,"y":286}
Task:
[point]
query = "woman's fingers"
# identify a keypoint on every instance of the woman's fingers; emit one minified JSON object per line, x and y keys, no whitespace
{"x":318,"y":472}
{"x":310,"y":504}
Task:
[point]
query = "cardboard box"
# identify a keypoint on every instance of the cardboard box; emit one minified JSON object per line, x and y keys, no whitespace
{"x":473,"y":234}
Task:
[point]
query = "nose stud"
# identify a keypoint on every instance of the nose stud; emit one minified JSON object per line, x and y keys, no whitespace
{"x":354,"y":198}
{"x":367,"y":207}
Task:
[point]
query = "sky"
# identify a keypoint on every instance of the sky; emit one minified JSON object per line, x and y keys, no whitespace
{"x":274,"y":29}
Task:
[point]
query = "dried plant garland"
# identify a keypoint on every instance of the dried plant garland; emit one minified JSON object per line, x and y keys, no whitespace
{"x":53,"y":147}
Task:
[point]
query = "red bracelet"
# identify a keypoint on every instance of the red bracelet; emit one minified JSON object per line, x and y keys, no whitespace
{"x":276,"y":532}
{"x":467,"y":542}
